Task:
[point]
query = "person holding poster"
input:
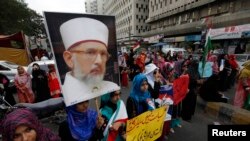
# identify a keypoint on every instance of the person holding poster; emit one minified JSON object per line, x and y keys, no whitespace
{"x":140,"y":99}
{"x":180,"y":89}
{"x":114,"y":112}
{"x":86,"y":43}
{"x":82,"y":124}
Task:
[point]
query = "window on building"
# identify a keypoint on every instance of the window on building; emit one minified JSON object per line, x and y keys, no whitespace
{"x":232,"y":6}
{"x":186,"y":17}
{"x":161,"y":5}
{"x":209,"y":10}
{"x":170,"y":1}
{"x":137,"y":5}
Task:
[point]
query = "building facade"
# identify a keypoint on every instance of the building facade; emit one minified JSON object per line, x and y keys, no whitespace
{"x":130,"y":17}
{"x":94,"y":6}
{"x":179,"y":18}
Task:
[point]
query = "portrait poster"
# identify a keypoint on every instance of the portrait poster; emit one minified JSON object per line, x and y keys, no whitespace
{"x":68,"y":32}
{"x":147,"y":126}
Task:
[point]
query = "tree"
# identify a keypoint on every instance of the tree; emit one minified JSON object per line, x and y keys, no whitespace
{"x":15,"y":16}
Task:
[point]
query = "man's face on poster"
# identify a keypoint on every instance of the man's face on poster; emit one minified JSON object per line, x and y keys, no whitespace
{"x":88,"y":61}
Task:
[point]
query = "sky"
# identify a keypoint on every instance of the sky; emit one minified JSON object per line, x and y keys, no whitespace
{"x":69,"y":6}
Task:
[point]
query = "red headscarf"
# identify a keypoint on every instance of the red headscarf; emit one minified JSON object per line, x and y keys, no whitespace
{"x":24,"y":116}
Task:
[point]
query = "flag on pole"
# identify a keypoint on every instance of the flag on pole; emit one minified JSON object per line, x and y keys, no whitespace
{"x":136,"y":46}
{"x":207,"y":48}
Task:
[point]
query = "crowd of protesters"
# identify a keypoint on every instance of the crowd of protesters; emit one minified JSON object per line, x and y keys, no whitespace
{"x":32,"y":88}
{"x":149,"y":72}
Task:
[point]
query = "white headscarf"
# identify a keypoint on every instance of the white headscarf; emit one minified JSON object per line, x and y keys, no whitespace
{"x":149,"y":72}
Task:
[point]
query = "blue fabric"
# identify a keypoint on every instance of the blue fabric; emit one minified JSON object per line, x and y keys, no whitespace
{"x":105,"y":99}
{"x":81,"y":125}
{"x":107,"y":112}
{"x":138,"y":95}
{"x":208,"y":70}
{"x":167,"y":89}
{"x":175,"y":122}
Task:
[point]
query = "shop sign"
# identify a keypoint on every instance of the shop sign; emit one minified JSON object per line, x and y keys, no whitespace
{"x":231,"y":32}
{"x":192,"y":38}
{"x":153,"y":39}
{"x":180,"y":39}
{"x":168,"y":40}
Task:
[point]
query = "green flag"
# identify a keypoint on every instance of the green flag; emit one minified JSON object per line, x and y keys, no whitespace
{"x":208,"y":47}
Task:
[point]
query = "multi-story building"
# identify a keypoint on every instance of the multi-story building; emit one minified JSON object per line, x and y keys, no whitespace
{"x":130,"y":19}
{"x":182,"y":20}
{"x":94,"y":6}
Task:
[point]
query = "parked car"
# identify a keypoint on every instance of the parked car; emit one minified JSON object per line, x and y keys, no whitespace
{"x":241,"y":59}
{"x":10,"y":70}
{"x":166,"y":49}
{"x":43,"y":65}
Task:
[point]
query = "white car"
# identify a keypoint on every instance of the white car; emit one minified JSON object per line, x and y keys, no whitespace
{"x":43,"y":65}
{"x":241,"y":59}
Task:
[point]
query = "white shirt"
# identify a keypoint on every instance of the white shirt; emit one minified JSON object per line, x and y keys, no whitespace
{"x":75,"y":90}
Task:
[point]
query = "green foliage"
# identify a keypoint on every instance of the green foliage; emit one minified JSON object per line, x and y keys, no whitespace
{"x":15,"y":16}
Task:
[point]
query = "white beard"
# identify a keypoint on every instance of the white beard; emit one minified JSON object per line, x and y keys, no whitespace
{"x":87,"y":78}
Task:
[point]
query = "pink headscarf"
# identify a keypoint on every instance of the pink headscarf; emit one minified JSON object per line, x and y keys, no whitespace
{"x":24,"y":116}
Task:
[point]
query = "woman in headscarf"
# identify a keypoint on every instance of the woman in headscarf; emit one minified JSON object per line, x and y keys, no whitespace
{"x":209,"y":90}
{"x":139,"y":100}
{"x":54,"y":86}
{"x":22,"y":124}
{"x":154,"y":79}
{"x":180,"y":92}
{"x":235,"y":68}
{"x":4,"y":82}
{"x":82,"y":124}
{"x":243,"y":85}
{"x":23,"y":85}
{"x":225,"y":73}
{"x":189,"y":102}
{"x":114,"y":112}
{"x":40,"y":83}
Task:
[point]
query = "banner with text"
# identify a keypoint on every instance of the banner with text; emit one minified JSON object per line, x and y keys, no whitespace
{"x":147,"y":126}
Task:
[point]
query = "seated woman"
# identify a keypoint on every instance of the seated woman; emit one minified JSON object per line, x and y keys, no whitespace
{"x":140,"y":99}
{"x":82,"y":124}
{"x":209,"y":91}
{"x":21,"y":124}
